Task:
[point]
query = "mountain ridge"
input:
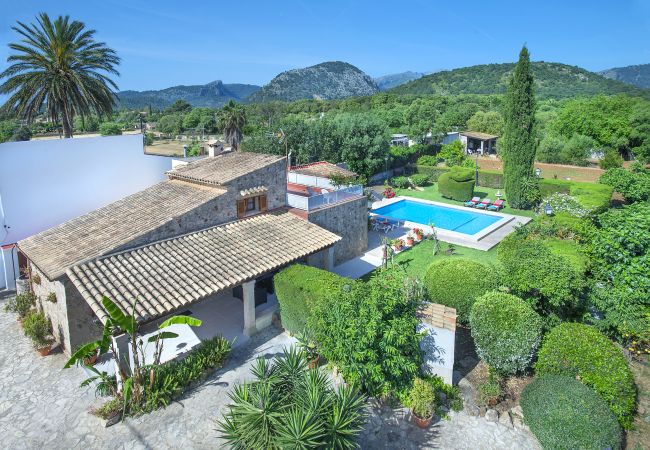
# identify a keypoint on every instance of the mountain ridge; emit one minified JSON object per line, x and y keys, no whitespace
{"x":392,"y":80}
{"x":636,"y":75}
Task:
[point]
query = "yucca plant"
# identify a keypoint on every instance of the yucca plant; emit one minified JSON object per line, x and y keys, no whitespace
{"x":289,"y":406}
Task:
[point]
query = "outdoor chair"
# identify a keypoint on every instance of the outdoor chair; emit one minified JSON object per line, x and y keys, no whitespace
{"x":496,"y":205}
{"x":473,"y":201}
{"x":484,"y":204}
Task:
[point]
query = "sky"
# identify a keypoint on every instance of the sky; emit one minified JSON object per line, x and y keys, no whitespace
{"x":167,"y":43}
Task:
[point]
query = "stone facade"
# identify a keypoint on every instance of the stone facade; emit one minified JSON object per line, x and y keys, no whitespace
{"x":348,"y":219}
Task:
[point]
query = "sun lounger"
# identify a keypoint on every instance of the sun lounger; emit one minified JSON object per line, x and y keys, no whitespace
{"x":496,"y":205}
{"x":473,"y":201}
{"x":484,"y":204}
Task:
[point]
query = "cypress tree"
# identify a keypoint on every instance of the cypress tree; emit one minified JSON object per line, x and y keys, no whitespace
{"x":518,"y":140}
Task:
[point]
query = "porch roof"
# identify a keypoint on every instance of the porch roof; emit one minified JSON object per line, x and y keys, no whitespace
{"x":171,"y":274}
{"x":478,"y":135}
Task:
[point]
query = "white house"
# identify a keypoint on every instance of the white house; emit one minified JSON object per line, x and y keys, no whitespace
{"x":44,"y":183}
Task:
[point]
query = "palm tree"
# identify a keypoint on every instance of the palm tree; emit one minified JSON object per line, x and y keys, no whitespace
{"x":59,"y":67}
{"x":232,"y":119}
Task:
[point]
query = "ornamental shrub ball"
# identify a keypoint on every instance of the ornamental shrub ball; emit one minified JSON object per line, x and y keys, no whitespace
{"x":399,"y":182}
{"x":457,"y":283}
{"x":506,"y":331}
{"x":457,"y":184}
{"x":580,"y":351}
{"x":420,"y":179}
{"x":563,"y":414}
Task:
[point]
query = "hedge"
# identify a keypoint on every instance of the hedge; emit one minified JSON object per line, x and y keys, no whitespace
{"x":457,"y":283}
{"x":432,"y":172}
{"x":490,"y":179}
{"x":298,"y":287}
{"x":548,"y":186}
{"x":506,"y":331}
{"x":564,"y":414}
{"x":578,"y":350}
{"x":457,"y":184}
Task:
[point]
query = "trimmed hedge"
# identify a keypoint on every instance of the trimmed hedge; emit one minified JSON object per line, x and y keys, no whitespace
{"x":506,"y":331}
{"x":433,"y":172}
{"x":298,"y":287}
{"x":457,"y":184}
{"x":548,"y":186}
{"x":578,"y":350}
{"x":490,"y":179}
{"x":564,"y":414}
{"x":457,"y":283}
{"x":420,"y":179}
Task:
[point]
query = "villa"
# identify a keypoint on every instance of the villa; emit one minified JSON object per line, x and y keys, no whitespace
{"x":204,"y":242}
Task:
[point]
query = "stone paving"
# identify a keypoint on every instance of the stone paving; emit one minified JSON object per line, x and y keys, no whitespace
{"x":42,"y":406}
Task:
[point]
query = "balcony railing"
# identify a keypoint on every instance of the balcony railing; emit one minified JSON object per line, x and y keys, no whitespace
{"x":322,"y":200}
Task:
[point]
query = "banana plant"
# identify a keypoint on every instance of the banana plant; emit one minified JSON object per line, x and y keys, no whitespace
{"x":117,"y":323}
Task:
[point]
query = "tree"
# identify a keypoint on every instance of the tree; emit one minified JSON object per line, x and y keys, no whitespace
{"x":110,"y":129}
{"x":232,"y":119}
{"x":518,"y":142}
{"x":179,"y":106}
{"x":58,"y":65}
{"x":486,"y":122}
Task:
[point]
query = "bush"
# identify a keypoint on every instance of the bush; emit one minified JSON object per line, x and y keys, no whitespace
{"x":369,"y":332}
{"x":564,"y":414}
{"x":110,"y":129}
{"x":298,"y":288}
{"x":611,"y":160}
{"x":288,"y":405}
{"x":422,"y":398}
{"x":37,"y":328}
{"x":402,"y":155}
{"x":580,"y":351}
{"x":457,"y":283}
{"x":427,"y":160}
{"x":549,"y":186}
{"x":506,"y":331}
{"x":490,"y":179}
{"x":634,"y":186}
{"x":432,"y":172}
{"x":457,"y":184}
{"x":21,"y":304}
{"x":400,"y":182}
{"x":452,"y":154}
{"x":420,"y":179}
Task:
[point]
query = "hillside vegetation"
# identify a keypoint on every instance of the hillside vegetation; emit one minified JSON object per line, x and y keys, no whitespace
{"x":552,"y":80}
{"x":638,"y":75}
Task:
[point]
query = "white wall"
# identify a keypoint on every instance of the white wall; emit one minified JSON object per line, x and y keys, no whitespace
{"x":45,"y":183}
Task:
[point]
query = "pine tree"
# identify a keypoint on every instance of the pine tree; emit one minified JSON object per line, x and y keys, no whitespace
{"x":518,"y":140}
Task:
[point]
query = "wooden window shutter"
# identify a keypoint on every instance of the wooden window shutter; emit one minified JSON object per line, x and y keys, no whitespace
{"x":263,"y":206}
{"x":241,"y":208}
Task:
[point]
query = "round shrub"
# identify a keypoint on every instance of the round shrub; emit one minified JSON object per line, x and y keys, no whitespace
{"x":400,"y":182}
{"x":564,"y":414}
{"x":506,"y":331}
{"x":457,"y":283}
{"x":457,"y":184}
{"x":420,"y":179}
{"x":582,"y":352}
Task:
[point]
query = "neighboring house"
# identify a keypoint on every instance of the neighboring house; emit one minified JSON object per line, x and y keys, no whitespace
{"x":340,"y":209}
{"x":481,"y":143}
{"x":46,"y":182}
{"x":450,"y":137}
{"x":401,"y":140}
{"x":206,"y":242}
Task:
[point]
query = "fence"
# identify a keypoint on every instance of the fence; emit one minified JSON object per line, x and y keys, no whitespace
{"x":325,"y":199}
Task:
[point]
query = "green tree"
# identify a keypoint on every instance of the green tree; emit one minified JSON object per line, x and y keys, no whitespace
{"x":179,"y":106}
{"x":518,"y":142}
{"x":7,"y":130}
{"x":486,"y":122}
{"x":60,"y":67}
{"x":364,"y":142}
{"x":110,"y":129}
{"x":232,"y":119}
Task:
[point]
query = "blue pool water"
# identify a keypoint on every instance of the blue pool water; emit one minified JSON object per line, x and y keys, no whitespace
{"x":458,"y":220}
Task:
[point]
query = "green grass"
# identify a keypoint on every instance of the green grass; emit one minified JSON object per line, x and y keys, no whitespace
{"x":431,"y":193}
{"x":416,"y":260}
{"x":568,"y":249}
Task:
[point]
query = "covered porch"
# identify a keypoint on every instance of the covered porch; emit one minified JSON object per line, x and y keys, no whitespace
{"x":476,"y":143}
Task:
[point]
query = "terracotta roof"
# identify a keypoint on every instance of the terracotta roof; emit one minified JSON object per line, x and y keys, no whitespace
{"x":253,"y":191}
{"x":322,"y":169}
{"x":478,"y":135}
{"x":440,"y":316}
{"x":222,"y":168}
{"x":105,"y":229}
{"x":171,"y":274}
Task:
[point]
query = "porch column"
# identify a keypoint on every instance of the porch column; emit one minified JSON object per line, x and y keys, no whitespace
{"x":248,"y":289}
{"x":328,"y":259}
{"x":482,"y":151}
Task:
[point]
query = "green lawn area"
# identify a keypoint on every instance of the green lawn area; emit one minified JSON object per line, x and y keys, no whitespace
{"x":416,"y":260}
{"x":431,"y":193}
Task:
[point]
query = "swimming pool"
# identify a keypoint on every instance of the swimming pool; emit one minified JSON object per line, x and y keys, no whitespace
{"x":462,"y":221}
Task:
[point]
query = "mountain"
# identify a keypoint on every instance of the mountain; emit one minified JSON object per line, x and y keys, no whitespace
{"x":211,"y":95}
{"x":390,"y":81}
{"x":552,"y":80}
{"x":325,"y":81}
{"x":638,"y":75}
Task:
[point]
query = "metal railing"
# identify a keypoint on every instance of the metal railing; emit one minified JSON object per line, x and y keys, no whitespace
{"x":325,"y":199}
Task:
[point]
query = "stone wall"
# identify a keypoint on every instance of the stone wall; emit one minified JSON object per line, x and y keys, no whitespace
{"x":349,"y":220}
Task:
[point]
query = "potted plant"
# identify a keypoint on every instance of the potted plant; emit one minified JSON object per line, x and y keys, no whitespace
{"x":389,"y":192}
{"x":90,"y":358}
{"x":21,"y":304}
{"x":37,"y":327}
{"x":421,"y":401}
{"x":398,"y":244}
{"x":308,"y":346}
{"x":419,"y":233}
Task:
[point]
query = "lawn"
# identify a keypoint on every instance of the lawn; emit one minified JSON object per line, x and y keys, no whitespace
{"x":416,"y":260}
{"x":431,"y":193}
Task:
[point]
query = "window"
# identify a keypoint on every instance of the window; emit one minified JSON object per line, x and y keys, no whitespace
{"x":250,"y":204}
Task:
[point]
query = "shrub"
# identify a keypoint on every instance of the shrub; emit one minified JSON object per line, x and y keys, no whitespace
{"x":427,"y":160}
{"x":490,"y":179}
{"x":298,"y":288}
{"x":400,"y":182}
{"x":288,"y":405}
{"x":21,"y":304}
{"x":565,"y":203}
{"x":452,"y":154}
{"x":369,"y":332}
{"x":506,"y":331}
{"x":582,"y":352}
{"x":402,"y":155}
{"x":457,"y":283}
{"x":457,"y":184}
{"x":420,"y":179}
{"x":564,"y":414}
{"x":549,"y":186}
{"x":110,"y":129}
{"x":37,"y":328}
{"x":432,"y":172}
{"x":611,"y":160}
{"x":422,"y":398}
{"x":634,"y":186}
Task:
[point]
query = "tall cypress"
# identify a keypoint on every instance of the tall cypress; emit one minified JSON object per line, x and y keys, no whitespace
{"x":518,"y":140}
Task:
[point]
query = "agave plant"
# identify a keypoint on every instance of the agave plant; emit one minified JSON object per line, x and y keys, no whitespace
{"x":289,"y":406}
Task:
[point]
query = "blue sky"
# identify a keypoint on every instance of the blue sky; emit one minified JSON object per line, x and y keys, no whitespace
{"x":191,"y":42}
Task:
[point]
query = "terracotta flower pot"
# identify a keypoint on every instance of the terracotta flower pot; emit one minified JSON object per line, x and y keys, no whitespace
{"x":422,"y":423}
{"x":44,"y":351}
{"x":410,"y":241}
{"x":314,"y":362}
{"x":91,"y":361}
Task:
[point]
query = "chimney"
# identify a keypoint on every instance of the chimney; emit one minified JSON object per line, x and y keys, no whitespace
{"x":214,"y":148}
